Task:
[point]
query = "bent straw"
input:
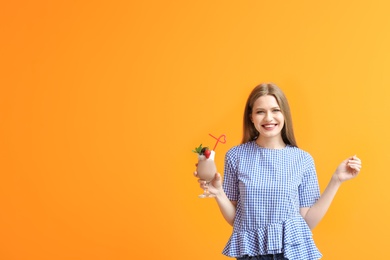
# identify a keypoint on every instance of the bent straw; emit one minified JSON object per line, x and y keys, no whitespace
{"x":218,"y":140}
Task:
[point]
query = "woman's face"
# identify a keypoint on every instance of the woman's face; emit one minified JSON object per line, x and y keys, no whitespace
{"x":267,"y":117}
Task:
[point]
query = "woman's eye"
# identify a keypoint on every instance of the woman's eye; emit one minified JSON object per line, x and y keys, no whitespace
{"x":260,"y":112}
{"x":276,"y":110}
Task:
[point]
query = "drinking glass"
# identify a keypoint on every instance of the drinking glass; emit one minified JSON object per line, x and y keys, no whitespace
{"x":206,"y":170}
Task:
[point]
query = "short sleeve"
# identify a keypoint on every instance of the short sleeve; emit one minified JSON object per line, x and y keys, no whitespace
{"x":309,"y":191}
{"x":230,"y":180}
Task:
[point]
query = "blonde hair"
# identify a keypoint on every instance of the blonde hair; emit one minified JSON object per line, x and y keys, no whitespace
{"x":250,"y":132}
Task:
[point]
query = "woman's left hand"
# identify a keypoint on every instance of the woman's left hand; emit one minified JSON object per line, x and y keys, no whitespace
{"x":348,"y":169}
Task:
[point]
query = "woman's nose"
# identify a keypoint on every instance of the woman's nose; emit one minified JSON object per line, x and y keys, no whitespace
{"x":268,"y":116}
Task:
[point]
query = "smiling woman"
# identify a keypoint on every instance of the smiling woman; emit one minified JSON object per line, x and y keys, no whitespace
{"x":270,"y":193}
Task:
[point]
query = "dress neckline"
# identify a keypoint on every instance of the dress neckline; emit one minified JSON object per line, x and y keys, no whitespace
{"x":270,"y":149}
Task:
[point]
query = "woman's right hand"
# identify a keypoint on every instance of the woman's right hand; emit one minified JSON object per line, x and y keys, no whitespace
{"x":214,"y":187}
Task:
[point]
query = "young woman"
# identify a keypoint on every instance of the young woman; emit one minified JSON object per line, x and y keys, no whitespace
{"x":270,"y":192}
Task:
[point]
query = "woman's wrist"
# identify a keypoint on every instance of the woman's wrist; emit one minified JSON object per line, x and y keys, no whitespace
{"x":335,"y":180}
{"x":219,"y":193}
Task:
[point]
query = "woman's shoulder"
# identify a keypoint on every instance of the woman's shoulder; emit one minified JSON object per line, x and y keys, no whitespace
{"x":301,"y":153}
{"x":237,"y":151}
{"x":298,"y":150}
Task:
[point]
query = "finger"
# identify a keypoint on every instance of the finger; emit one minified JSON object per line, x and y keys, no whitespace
{"x":204,"y":185}
{"x":355,"y":158}
{"x":355,"y":162}
{"x":355,"y":169}
{"x":355,"y":165}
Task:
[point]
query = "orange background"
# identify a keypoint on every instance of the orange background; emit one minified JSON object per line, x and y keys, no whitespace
{"x":102,"y":102}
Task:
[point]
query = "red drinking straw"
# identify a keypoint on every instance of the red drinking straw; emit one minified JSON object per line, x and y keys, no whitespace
{"x":219,"y":140}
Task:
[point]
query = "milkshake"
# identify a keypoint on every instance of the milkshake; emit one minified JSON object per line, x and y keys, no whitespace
{"x":206,"y":168}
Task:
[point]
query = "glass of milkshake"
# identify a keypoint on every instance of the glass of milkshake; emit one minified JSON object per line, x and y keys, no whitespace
{"x":205,"y":168}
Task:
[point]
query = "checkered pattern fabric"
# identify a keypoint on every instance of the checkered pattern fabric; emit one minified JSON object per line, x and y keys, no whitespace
{"x":270,"y":185}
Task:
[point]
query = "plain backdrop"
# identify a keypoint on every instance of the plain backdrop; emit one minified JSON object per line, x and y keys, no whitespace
{"x":101,"y":103}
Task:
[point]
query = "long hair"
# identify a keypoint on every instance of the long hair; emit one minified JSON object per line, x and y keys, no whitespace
{"x":250,"y":133}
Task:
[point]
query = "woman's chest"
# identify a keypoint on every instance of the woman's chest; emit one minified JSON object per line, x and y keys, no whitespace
{"x":270,"y":177}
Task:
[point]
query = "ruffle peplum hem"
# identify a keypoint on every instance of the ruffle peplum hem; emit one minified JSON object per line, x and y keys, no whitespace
{"x":291,"y":237}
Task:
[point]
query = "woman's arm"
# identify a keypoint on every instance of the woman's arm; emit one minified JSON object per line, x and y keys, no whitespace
{"x":314,"y":214}
{"x":347,"y":170}
{"x":226,"y":206}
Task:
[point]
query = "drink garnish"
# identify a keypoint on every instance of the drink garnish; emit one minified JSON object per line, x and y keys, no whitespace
{"x":205,"y":150}
{"x":202,"y":151}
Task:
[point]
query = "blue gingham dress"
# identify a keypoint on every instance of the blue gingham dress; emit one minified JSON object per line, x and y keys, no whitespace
{"x":270,"y":185}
